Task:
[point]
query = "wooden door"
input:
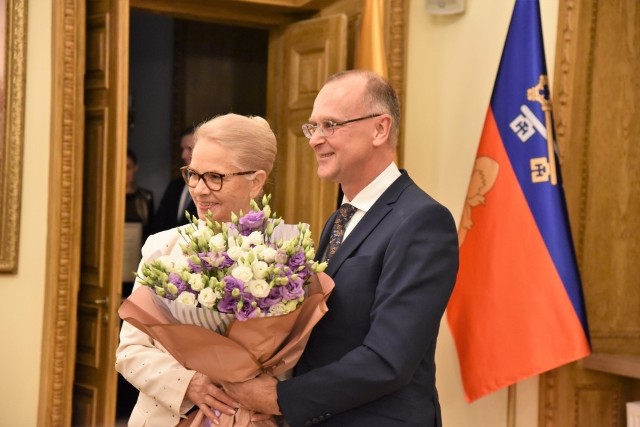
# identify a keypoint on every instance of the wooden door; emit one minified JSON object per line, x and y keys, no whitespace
{"x":102,"y":219}
{"x":597,"y":98}
{"x":308,"y":52}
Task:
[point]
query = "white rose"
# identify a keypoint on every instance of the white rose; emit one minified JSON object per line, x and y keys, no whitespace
{"x":259,"y":269}
{"x":187,"y":298}
{"x":208,"y":297}
{"x":217,"y":243}
{"x":242,"y":272}
{"x":268,"y":255}
{"x":259,"y":288}
{"x":255,"y":238}
{"x":195,"y":280}
{"x":202,"y":233}
{"x":235,"y":252}
{"x":278,"y":309}
{"x":257,"y":249}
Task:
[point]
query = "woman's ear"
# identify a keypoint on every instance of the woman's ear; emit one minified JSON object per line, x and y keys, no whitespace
{"x":258,"y":181}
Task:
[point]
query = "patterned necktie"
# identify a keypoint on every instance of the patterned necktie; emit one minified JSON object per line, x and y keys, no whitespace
{"x":345,"y":213}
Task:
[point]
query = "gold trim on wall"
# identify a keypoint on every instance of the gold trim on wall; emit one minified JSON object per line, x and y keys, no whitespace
{"x":65,"y":209}
{"x":11,"y":144}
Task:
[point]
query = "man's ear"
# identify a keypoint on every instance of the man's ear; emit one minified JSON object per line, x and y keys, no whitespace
{"x":258,"y":181}
{"x":382,"y":132}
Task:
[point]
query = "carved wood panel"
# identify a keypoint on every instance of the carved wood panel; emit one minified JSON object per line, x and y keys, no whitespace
{"x":597,"y":96}
{"x":311,"y":51}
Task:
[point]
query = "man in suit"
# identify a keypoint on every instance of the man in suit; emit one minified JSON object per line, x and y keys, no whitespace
{"x":176,"y":198}
{"x":370,"y":360}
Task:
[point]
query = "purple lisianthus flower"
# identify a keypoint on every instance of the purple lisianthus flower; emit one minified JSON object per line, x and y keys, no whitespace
{"x":227,"y":262}
{"x":182,"y":286}
{"x":296,"y":260}
{"x":227,"y":304}
{"x":206,"y":261}
{"x":251,"y":222}
{"x":274,"y":297}
{"x":303,"y":274}
{"x":247,"y":311}
{"x":292,"y":290}
{"x":231,"y":283}
{"x":195,"y":267}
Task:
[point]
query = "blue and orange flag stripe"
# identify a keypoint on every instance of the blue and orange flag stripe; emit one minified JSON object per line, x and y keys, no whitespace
{"x":517,"y":309}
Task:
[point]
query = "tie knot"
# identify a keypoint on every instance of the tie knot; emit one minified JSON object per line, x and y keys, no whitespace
{"x":345,"y":213}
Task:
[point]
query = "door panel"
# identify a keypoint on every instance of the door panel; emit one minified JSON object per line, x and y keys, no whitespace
{"x":311,"y":51}
{"x":103,"y":212}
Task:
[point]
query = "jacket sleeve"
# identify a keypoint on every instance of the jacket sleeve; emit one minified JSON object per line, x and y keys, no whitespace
{"x":144,"y":363}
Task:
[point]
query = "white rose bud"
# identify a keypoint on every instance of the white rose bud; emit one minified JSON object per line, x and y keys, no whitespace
{"x":235,"y":252}
{"x":259,"y":288}
{"x":195,"y":280}
{"x":268,"y":255}
{"x":260,"y":269}
{"x":187,"y":298}
{"x":255,"y":238}
{"x":217,"y":243}
{"x":208,"y":297}
{"x":242,"y":272}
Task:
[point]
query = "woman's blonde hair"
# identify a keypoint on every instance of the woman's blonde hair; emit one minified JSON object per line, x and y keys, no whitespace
{"x":249,"y":138}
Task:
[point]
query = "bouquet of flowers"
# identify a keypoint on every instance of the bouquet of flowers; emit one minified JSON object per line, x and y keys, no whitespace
{"x":246,"y":293}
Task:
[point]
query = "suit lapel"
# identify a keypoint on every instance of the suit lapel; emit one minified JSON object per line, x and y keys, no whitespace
{"x":366,"y":226}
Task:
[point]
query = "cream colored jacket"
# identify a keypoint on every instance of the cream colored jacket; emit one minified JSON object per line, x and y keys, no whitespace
{"x":162,"y":381}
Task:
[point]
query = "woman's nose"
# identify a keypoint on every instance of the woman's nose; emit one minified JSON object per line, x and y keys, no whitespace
{"x":201,"y":187}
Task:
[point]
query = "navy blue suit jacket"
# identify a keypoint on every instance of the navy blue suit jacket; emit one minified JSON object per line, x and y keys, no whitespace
{"x":166,"y":216}
{"x":370,"y":360}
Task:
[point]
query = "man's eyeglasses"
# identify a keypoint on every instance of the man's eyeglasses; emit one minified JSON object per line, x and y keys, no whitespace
{"x":328,"y":127}
{"x":212,"y":180}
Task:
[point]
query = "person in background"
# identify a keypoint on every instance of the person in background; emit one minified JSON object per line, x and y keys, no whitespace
{"x":176,"y":199}
{"x":139,"y":204}
{"x":232,"y":157}
{"x":370,"y":361}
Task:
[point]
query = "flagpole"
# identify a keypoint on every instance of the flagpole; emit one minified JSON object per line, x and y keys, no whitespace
{"x":511,"y":405}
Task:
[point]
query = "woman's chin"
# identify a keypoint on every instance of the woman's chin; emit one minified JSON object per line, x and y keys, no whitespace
{"x":204,"y":212}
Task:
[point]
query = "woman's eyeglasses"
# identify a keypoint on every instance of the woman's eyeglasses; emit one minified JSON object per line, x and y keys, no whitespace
{"x":212,"y":180}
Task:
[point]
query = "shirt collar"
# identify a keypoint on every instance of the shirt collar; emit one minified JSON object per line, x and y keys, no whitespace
{"x":370,"y":194}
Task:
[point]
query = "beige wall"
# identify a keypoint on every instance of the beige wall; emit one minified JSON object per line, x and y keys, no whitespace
{"x":452,"y":66}
{"x":23,"y":294}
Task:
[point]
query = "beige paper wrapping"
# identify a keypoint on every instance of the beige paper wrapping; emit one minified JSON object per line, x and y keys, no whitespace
{"x":270,"y":345}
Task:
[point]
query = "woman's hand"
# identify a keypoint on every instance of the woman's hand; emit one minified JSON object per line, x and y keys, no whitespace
{"x":210,"y":399}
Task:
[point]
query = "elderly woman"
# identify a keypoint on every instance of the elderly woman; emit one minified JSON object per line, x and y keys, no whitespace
{"x":232,"y":158}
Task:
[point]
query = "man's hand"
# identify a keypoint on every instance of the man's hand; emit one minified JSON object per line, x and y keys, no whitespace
{"x":209,"y":398}
{"x":259,"y":394}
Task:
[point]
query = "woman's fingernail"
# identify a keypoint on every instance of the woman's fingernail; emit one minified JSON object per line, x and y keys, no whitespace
{"x":215,"y":411}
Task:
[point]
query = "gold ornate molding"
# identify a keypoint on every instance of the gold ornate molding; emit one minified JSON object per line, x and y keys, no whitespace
{"x":13,"y":127}
{"x":397,"y":55}
{"x":65,"y":195}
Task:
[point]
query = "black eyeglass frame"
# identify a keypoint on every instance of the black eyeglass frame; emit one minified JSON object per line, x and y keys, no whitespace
{"x":186,"y":171}
{"x":328,"y":127}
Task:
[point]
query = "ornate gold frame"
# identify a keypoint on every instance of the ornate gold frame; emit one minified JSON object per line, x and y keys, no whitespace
{"x":11,"y":145}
